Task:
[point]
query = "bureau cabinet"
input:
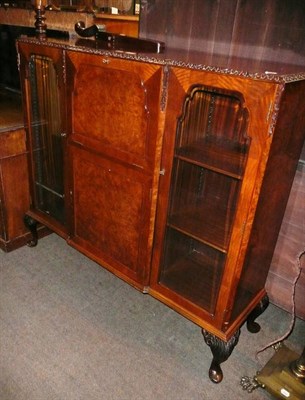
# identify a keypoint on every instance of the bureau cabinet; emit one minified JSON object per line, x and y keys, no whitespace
{"x":14,"y":182}
{"x":14,"y":198}
{"x":173,"y":177}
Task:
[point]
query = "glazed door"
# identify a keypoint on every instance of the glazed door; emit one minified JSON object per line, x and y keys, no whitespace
{"x":116,"y":131}
{"x":43,"y":86}
{"x":204,"y":193}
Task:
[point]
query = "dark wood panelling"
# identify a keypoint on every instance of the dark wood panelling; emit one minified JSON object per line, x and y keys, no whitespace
{"x":256,"y":29}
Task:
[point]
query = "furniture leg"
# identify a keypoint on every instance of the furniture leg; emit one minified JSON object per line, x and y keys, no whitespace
{"x":31,"y":224}
{"x":253,"y":326}
{"x":221,"y":351}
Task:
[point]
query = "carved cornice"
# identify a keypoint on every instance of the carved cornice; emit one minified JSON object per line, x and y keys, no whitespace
{"x":164,"y":89}
{"x":93,"y":47}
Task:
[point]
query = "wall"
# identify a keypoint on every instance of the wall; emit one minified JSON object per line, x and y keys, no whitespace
{"x":291,"y":242}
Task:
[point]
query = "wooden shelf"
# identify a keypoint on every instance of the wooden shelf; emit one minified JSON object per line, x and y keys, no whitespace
{"x":208,"y":224}
{"x":218,"y":155}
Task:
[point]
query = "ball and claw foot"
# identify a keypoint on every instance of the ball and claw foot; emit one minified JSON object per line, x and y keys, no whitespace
{"x":221,"y":351}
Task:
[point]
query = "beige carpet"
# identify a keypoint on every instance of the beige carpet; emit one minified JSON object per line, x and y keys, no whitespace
{"x":70,"y":330}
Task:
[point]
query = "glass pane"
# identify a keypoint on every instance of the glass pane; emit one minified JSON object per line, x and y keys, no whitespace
{"x":203,"y":203}
{"x":208,"y":167}
{"x":211,"y":131}
{"x":192,"y":269}
{"x":46,"y":138}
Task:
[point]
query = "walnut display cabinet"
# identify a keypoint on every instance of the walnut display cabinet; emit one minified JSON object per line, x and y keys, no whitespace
{"x":172,"y":175}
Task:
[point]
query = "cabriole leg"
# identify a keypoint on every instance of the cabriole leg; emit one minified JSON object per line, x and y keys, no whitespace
{"x":253,"y":326}
{"x":221,"y":351}
{"x":31,"y":224}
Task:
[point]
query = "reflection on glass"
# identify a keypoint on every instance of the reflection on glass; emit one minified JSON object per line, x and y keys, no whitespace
{"x":46,"y":138}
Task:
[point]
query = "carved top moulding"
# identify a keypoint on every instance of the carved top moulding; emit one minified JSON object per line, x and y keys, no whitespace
{"x":247,"y":68}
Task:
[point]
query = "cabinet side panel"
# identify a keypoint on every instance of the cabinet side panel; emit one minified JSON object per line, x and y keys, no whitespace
{"x":281,"y":167}
{"x":13,"y":168}
{"x":16,"y":196}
